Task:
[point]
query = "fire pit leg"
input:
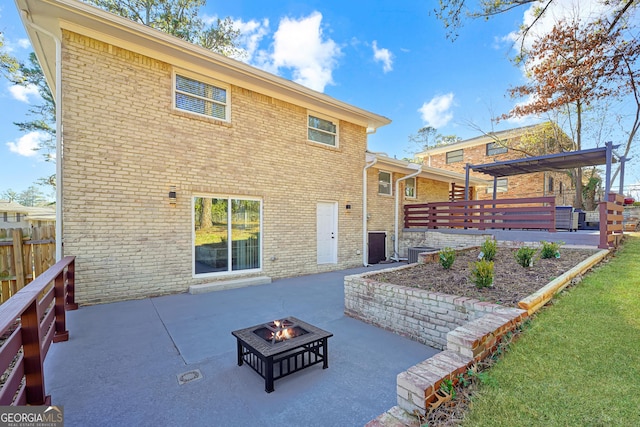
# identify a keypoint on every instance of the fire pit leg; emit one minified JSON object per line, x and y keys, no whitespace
{"x":268,"y":378}
{"x":325,"y":353}
{"x":240,"y":361}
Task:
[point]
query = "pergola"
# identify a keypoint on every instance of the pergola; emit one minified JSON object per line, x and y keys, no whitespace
{"x":552,"y":163}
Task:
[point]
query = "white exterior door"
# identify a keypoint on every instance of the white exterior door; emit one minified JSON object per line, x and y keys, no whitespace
{"x":327,"y":232}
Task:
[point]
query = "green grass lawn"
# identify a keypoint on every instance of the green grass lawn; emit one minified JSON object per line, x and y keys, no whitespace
{"x":579,"y":362}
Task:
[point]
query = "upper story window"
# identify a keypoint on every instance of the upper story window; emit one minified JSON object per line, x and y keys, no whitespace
{"x":502,"y":185}
{"x":455,"y":156}
{"x":410,"y":188}
{"x":201,"y":98}
{"x":384,"y":183}
{"x":550,"y":184}
{"x":322,"y":130}
{"x":494,"y":148}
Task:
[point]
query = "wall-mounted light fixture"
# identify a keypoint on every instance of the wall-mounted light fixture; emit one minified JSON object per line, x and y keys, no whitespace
{"x":172,"y":195}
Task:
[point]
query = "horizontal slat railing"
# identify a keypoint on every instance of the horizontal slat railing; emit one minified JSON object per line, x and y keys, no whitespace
{"x":611,"y":221}
{"x":29,"y":321}
{"x":536,"y":213}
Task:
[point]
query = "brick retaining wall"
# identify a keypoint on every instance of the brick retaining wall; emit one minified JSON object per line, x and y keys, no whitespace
{"x":466,"y":329}
{"x":423,"y":316}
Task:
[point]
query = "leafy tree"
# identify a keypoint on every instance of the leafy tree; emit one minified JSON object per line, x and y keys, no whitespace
{"x":453,"y":12}
{"x":30,"y":74}
{"x":32,"y":196}
{"x":8,"y":64}
{"x":428,"y":137}
{"x":572,"y":67}
{"x":179,"y":18}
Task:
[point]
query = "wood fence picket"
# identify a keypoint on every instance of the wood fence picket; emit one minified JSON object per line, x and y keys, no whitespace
{"x":24,"y":255}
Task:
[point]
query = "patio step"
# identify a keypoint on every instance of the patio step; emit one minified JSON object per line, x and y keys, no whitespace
{"x":228,"y":284}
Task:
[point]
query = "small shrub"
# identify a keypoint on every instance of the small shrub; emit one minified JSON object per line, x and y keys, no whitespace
{"x":550,"y":249}
{"x":447,"y":257}
{"x":448,"y":388}
{"x":482,"y":273}
{"x":525,"y":255}
{"x":489,"y":249}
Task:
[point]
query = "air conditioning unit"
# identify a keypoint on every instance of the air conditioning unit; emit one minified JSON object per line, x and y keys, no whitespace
{"x":417,"y":250}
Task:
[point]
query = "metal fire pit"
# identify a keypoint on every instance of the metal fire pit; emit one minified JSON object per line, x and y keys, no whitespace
{"x":273,"y":359}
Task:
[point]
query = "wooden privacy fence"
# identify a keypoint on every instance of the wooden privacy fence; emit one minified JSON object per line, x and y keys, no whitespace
{"x":536,"y":213}
{"x":30,"y":321}
{"x":611,"y":221}
{"x":24,"y":255}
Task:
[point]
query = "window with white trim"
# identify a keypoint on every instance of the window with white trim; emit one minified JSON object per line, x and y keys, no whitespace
{"x":322,"y":130}
{"x":502,"y":185}
{"x":410,"y":188}
{"x":384,"y":183}
{"x":202,"y":98}
{"x":227,"y":234}
{"x":455,"y":156}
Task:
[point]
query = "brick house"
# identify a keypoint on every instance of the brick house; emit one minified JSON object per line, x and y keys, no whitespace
{"x":391,"y":184}
{"x":540,"y":139}
{"x":184,"y":169}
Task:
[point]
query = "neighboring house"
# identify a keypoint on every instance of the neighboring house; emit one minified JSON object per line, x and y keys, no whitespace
{"x":182,"y":167}
{"x":41,"y":216}
{"x":391,"y":184}
{"x":14,"y":215}
{"x":540,"y":139}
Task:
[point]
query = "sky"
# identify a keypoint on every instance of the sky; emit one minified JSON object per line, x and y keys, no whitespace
{"x":389,"y":57}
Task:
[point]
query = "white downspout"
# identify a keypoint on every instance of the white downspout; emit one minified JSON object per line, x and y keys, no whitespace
{"x":58,"y":105}
{"x":396,"y":243}
{"x":365,"y":245}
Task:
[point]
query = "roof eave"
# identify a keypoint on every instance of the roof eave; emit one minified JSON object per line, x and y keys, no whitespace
{"x":54,"y":15}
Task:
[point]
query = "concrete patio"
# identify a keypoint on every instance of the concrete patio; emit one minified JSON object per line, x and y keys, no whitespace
{"x":121,"y":364}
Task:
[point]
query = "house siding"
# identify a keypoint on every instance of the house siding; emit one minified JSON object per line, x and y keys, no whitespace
{"x":125,"y":147}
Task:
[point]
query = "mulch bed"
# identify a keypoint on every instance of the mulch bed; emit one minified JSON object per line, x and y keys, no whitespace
{"x":511,"y":283}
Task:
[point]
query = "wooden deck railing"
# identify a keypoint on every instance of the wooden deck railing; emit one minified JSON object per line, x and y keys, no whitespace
{"x":611,"y":226}
{"x":29,"y":321}
{"x":536,"y":213}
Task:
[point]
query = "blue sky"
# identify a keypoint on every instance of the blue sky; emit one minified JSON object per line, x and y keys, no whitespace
{"x":388,"y":57}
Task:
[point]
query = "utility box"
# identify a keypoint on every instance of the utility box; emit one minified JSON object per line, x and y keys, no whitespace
{"x":416,"y":251}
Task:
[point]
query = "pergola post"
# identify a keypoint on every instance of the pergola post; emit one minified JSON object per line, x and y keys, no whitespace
{"x":609,"y":156}
{"x":622,"y":160}
{"x":466,"y":181}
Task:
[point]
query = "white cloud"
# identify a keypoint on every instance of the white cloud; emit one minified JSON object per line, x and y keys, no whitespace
{"x":384,"y":56}
{"x":582,"y":10}
{"x":24,"y":43}
{"x":27,"y":145}
{"x":300,"y":45}
{"x":23,"y":93}
{"x":437,"y":112}
{"x":251,"y":34}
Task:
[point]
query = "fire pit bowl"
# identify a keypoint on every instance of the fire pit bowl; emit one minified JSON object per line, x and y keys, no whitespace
{"x":282,"y":347}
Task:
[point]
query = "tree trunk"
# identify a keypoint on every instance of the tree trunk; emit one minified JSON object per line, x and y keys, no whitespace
{"x":206,"y":213}
{"x":578,"y":199}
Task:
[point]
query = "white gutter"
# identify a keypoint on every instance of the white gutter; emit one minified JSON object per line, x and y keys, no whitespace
{"x":58,"y":105}
{"x":396,"y":243}
{"x":365,"y":244}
